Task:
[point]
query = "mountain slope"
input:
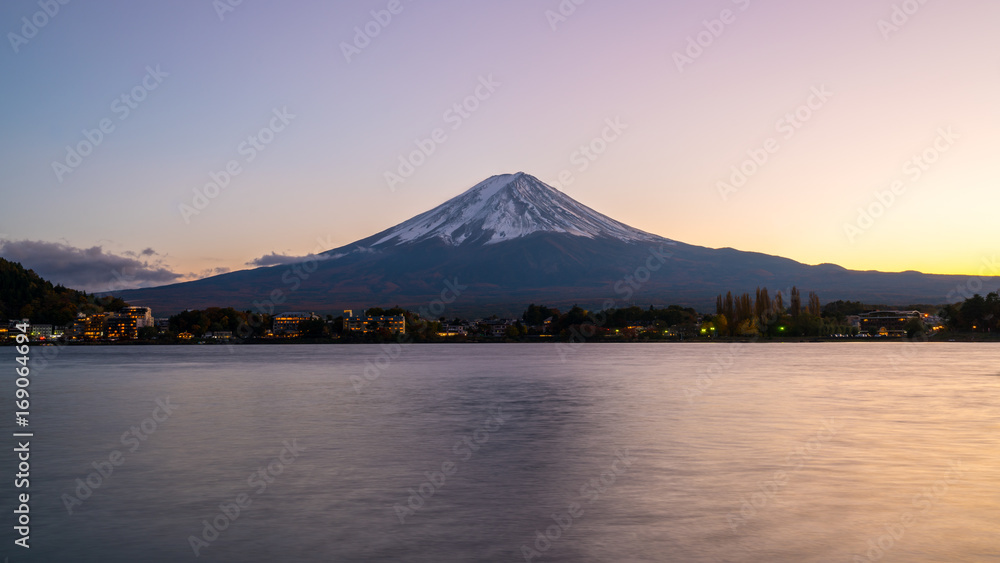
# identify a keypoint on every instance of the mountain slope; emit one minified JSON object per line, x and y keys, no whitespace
{"x":24,"y":294}
{"x":512,"y":240}
{"x":503,"y":208}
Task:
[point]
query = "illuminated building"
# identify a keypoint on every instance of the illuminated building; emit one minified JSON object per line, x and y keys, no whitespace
{"x":93,"y":327}
{"x":126,"y":323}
{"x":888,"y":323}
{"x":287,"y":324}
{"x":395,"y":324}
{"x":41,"y":332}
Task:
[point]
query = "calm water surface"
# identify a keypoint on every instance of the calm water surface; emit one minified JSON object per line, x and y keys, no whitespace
{"x":771,"y":452}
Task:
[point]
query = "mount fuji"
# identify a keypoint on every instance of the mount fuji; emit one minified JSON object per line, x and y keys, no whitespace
{"x":508,"y":207}
{"x":512,"y":240}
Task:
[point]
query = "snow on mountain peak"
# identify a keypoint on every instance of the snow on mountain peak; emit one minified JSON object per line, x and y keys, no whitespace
{"x":506,"y":207}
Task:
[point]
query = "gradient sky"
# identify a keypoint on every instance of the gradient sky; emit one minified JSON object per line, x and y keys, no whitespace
{"x":323,"y":176}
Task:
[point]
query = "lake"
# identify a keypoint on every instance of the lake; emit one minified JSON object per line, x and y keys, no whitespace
{"x":854,"y":451}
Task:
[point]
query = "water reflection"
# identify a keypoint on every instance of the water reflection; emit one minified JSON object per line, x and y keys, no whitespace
{"x":507,"y":452}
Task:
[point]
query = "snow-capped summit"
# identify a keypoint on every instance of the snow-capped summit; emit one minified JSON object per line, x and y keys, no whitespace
{"x":512,"y":240}
{"x":507,"y":207}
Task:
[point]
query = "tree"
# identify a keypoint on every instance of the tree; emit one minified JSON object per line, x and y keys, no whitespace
{"x":535,"y":315}
{"x":744,"y":311}
{"x":112,"y":304}
{"x":992,"y":320}
{"x":23,"y":294}
{"x":729,"y":310}
{"x":513,"y":332}
{"x":721,"y":324}
{"x":575,"y":316}
{"x":747,"y":328}
{"x":763,"y":311}
{"x":840,"y":309}
{"x":148,"y":333}
{"x":814,"y":306}
{"x":973,"y":312}
{"x":913,"y":328}
{"x":313,"y":328}
{"x":977,"y":313}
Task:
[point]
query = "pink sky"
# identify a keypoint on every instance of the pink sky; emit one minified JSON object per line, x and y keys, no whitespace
{"x":546,"y":86}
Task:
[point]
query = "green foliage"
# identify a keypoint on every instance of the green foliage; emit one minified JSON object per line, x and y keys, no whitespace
{"x":673,"y":315}
{"x":314,"y":328}
{"x":750,"y":316}
{"x":24,"y":294}
{"x":513,"y":332}
{"x":536,"y":314}
{"x":211,"y":319}
{"x":627,"y":323}
{"x":148,"y":333}
{"x":975,"y":314}
{"x":575,"y":316}
{"x":914,"y":327}
{"x":110,"y":304}
{"x":840,"y":310}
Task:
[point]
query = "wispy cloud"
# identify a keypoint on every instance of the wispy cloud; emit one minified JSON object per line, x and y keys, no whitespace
{"x":275,"y":259}
{"x":213,"y":272}
{"x":90,"y":269}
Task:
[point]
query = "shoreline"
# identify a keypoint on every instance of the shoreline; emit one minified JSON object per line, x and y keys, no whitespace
{"x":950,"y":339}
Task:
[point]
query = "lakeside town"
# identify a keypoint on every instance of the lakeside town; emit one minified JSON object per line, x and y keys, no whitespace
{"x":56,"y":314}
{"x":132,"y":324}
